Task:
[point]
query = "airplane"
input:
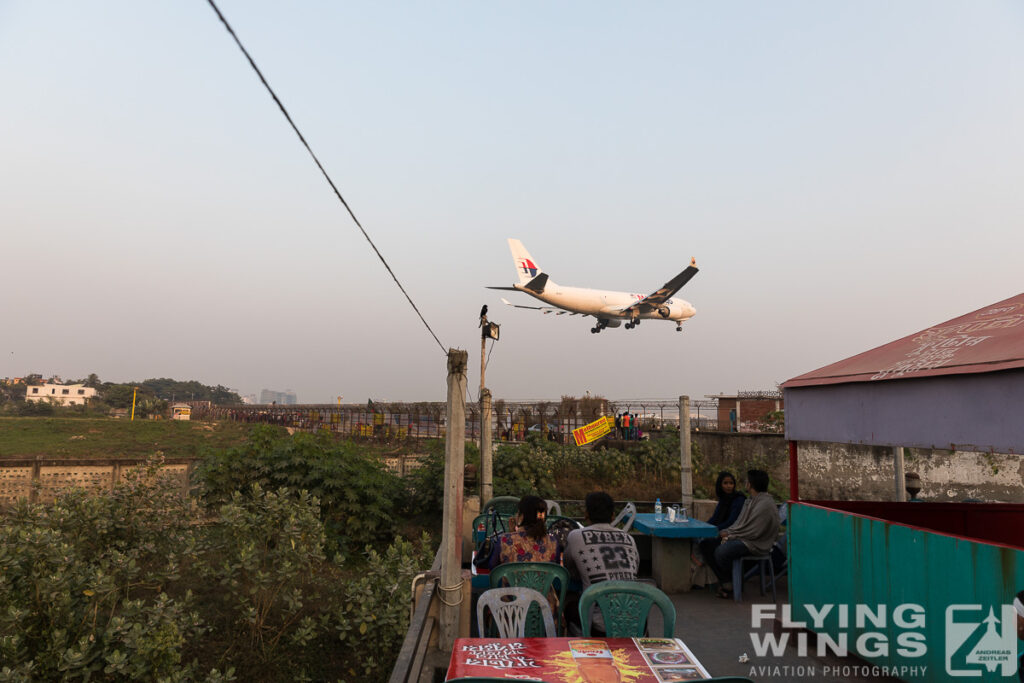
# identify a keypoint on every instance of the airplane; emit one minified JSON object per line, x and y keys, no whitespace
{"x":610,"y":308}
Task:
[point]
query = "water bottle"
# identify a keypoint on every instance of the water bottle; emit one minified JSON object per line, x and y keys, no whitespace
{"x":657,"y":510}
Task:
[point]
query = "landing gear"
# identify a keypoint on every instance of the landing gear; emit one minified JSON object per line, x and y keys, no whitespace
{"x":601,"y":324}
{"x":632,"y":323}
{"x":679,"y":329}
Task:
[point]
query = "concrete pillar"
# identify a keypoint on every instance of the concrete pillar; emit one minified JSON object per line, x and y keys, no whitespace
{"x":454,"y":473}
{"x":685,"y":460}
{"x":900,"y":478}
{"x":486,"y":448}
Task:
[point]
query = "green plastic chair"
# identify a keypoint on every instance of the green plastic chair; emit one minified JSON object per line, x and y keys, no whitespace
{"x":505,"y":505}
{"x":625,"y":606}
{"x":488,"y":530}
{"x":540,"y":576}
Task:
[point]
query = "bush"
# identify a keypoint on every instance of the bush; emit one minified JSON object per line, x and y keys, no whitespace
{"x":374,"y":608}
{"x":83,"y":585}
{"x":34,"y":408}
{"x":102,"y":586}
{"x":358,"y":496}
{"x":425,"y":484}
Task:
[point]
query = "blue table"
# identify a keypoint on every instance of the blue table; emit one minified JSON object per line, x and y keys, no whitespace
{"x":670,"y":549}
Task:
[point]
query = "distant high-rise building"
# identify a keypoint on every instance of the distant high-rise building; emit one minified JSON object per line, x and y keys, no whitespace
{"x":281,"y":398}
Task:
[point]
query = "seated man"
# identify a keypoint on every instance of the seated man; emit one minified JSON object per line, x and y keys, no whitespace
{"x":599,"y":552}
{"x":753,"y":533}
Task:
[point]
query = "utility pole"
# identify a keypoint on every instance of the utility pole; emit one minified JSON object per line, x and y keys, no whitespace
{"x":685,"y":460}
{"x":454,"y":474}
{"x":134,"y":392}
{"x":488,"y":330}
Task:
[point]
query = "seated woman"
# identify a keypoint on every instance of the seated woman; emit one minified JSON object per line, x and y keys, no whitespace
{"x":730,"y":503}
{"x":530,"y":542}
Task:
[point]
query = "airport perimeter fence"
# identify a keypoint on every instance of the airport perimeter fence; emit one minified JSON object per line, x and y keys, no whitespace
{"x":510,"y":420}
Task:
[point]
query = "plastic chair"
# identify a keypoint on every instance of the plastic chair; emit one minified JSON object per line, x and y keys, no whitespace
{"x":625,"y":606}
{"x":505,"y":505}
{"x":625,"y":517}
{"x":553,"y":507}
{"x":492,"y":525}
{"x":509,"y":608}
{"x":738,"y":577}
{"x":540,"y":576}
{"x":561,"y":526}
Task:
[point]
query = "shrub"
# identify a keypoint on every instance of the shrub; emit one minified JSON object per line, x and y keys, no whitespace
{"x":101,"y":586}
{"x":425,"y":485}
{"x":375,"y":608}
{"x":82,"y":585}
{"x":358,"y":496}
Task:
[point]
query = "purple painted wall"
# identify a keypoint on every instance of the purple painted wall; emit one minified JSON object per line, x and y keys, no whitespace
{"x":978,"y":412}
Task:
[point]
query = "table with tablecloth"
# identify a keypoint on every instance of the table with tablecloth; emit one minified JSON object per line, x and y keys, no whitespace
{"x":670,"y":549}
{"x":577,"y":660}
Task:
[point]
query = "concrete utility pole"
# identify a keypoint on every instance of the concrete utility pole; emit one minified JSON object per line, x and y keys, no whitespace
{"x":454,"y":472}
{"x":488,"y":330}
{"x":685,"y":461}
{"x":486,"y":448}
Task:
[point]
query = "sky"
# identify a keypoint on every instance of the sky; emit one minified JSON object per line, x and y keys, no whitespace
{"x":845,"y":174}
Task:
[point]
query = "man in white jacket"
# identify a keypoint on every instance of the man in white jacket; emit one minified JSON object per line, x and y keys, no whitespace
{"x":754,"y":532}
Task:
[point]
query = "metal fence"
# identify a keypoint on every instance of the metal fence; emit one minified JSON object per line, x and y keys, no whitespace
{"x":510,"y":420}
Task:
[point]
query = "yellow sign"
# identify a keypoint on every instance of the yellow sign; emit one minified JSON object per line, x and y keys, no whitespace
{"x":593,"y":431}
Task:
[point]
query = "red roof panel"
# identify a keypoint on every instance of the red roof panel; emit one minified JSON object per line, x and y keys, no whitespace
{"x":989,"y":339}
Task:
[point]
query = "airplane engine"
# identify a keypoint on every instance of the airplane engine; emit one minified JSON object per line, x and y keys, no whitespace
{"x":664,"y":311}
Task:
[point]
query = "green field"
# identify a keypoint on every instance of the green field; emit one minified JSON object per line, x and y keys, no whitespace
{"x":22,"y":437}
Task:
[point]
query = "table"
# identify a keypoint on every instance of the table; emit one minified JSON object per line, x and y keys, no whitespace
{"x":670,"y":549}
{"x":577,"y":660}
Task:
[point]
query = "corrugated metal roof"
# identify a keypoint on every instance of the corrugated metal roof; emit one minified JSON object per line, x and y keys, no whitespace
{"x":986,"y":340}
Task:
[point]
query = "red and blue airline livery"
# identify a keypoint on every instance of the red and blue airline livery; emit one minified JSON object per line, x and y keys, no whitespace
{"x":610,"y":308}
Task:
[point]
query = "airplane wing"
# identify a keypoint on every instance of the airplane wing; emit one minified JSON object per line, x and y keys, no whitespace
{"x":666,"y":291}
{"x":545,"y":309}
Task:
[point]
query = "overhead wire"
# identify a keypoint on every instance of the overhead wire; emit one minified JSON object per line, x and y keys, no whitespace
{"x":330,"y":182}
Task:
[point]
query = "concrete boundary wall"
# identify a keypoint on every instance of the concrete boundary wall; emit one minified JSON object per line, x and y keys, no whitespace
{"x":39,"y":480}
{"x":836,"y":471}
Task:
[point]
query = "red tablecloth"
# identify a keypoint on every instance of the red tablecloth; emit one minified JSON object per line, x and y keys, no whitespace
{"x":576,"y":660}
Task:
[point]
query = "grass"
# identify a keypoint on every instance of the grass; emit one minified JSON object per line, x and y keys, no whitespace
{"x":30,"y":437}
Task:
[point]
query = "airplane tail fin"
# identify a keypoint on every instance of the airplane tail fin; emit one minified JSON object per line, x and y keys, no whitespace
{"x":526,"y":267}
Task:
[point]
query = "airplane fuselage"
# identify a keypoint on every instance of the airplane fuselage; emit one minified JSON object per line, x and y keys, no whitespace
{"x":608,"y":304}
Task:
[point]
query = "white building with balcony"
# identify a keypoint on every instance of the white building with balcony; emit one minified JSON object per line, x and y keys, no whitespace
{"x":61,"y":394}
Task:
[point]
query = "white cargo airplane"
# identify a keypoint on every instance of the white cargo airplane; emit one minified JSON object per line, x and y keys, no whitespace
{"x":610,"y":308}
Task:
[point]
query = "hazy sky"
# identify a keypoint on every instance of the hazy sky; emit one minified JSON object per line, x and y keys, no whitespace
{"x":845,"y":173}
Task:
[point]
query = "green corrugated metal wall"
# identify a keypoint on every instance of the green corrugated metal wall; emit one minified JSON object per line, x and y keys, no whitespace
{"x":839,"y":558}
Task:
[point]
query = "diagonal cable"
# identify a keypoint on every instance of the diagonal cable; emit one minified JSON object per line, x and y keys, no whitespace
{"x":322,"y":170}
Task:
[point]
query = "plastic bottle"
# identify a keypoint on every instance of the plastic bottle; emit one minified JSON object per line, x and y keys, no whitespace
{"x":657,"y":510}
{"x":594,"y":661}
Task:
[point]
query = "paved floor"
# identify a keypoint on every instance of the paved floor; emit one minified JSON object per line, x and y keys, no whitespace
{"x":719,"y":633}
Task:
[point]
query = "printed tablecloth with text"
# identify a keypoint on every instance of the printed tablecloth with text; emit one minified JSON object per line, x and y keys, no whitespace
{"x":577,"y":660}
